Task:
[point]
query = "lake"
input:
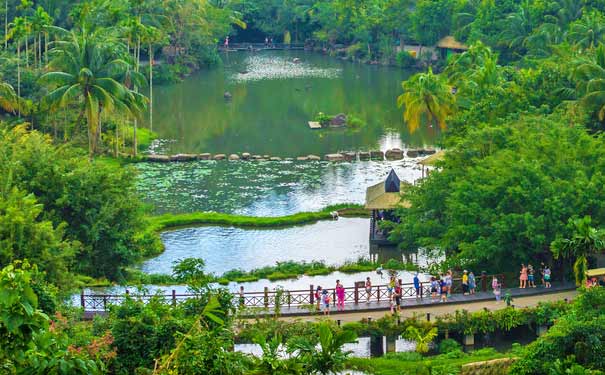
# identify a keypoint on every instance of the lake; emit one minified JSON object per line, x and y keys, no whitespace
{"x":273,"y":99}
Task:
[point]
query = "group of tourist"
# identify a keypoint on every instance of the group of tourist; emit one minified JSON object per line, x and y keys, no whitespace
{"x":324,"y":299}
{"x":527,"y":276}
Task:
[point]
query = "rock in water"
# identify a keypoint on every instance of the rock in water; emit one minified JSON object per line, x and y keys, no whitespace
{"x":338,"y":121}
{"x":227,"y":95}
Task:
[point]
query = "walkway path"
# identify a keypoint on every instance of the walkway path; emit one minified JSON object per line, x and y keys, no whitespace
{"x":413,"y":306}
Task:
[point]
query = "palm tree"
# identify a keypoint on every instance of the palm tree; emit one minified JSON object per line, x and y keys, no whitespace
{"x":520,"y":26}
{"x":590,"y":77}
{"x":429,"y":95}
{"x":86,"y":71}
{"x":588,"y":31}
{"x":9,"y":101}
{"x":40,"y":21}
{"x":585,"y":241}
{"x":422,"y":337}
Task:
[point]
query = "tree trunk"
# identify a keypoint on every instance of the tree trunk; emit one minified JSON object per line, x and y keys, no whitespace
{"x":150,"y":87}
{"x":26,"y":49}
{"x":5,"y":24}
{"x":45,"y":47}
{"x":134,"y":138}
{"x":19,"y":79}
{"x":117,"y":138}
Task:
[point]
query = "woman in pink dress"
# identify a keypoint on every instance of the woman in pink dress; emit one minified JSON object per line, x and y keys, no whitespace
{"x":523,"y":277}
{"x":340,"y":296}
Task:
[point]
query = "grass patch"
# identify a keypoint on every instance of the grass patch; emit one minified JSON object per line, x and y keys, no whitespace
{"x":167,"y":221}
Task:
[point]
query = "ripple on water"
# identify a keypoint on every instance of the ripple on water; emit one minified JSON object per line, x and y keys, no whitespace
{"x":262,"y":189}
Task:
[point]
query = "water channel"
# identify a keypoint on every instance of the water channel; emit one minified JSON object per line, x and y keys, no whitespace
{"x":272,"y":100}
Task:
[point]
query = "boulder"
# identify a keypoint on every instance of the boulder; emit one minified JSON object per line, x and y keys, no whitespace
{"x":313,"y":158}
{"x":266,"y":156}
{"x":220,"y":157}
{"x":275,"y":158}
{"x":429,"y":151}
{"x":183,"y":157}
{"x":234,"y":157}
{"x":302,"y":158}
{"x":158,"y":158}
{"x":412,"y":153}
{"x":334,"y":157}
{"x":227,"y":95}
{"x":394,"y":154}
{"x":338,"y":121}
{"x":246,"y":155}
{"x":363,"y":155}
{"x":349,"y":156}
{"x":289,"y":159}
{"x":204,"y":156}
{"x":377,"y":155}
{"x":256,"y":157}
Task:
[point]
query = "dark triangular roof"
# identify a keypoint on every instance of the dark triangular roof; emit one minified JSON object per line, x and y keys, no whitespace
{"x":392,"y":183}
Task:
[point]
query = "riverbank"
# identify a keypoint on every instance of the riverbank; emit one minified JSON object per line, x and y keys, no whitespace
{"x":170,"y":221}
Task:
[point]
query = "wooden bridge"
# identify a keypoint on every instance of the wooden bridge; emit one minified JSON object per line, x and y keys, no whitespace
{"x":302,"y":302}
{"x":262,"y":46}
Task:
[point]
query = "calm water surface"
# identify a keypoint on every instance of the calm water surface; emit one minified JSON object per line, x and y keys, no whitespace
{"x":272,"y":100}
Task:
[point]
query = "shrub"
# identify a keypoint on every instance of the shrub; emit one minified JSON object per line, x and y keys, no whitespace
{"x":405,"y":60}
{"x":449,"y":345}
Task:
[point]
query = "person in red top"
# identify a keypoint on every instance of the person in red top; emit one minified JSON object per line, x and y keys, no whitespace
{"x":397,"y":295}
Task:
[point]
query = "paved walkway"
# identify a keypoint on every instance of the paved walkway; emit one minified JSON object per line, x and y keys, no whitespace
{"x":422,"y":306}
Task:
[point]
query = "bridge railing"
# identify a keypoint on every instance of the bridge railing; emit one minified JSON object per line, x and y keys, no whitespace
{"x":257,"y":46}
{"x":290,"y":298}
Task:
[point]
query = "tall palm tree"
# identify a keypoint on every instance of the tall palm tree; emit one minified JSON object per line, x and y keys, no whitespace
{"x":429,"y":95}
{"x":590,"y":81}
{"x":40,"y":21}
{"x":17,"y":32}
{"x":85,"y":70}
{"x":585,"y":241}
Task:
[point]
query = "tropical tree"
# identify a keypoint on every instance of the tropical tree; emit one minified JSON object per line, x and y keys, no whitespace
{"x":584,"y":242}
{"x":426,"y":94}
{"x":588,"y":31}
{"x":422,"y":337}
{"x":86,"y":70}
{"x":8,"y":98}
{"x":329,"y":357}
{"x":590,"y":81}
{"x":40,"y":21}
{"x":18,"y":32}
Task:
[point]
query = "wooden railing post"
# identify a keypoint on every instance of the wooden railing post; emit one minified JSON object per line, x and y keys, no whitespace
{"x":334,"y":297}
{"x":173,"y":297}
{"x":311,"y":294}
{"x":356,"y":294}
{"x":104,"y":302}
{"x":266,"y":297}
{"x":82,"y":302}
{"x":289,"y":298}
{"x":378,"y":293}
{"x":421,"y":290}
{"x":503,"y":282}
{"x":483,"y":281}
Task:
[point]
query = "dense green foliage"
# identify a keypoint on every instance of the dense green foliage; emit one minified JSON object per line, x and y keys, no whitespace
{"x":66,"y":214}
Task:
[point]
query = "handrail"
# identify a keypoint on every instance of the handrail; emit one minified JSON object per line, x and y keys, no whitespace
{"x":272,"y":298}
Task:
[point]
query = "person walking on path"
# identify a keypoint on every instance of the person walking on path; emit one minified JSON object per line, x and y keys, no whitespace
{"x":434,"y":287}
{"x":523,"y":277}
{"x":530,"y":276}
{"x":391,"y":287}
{"x":227,"y":42}
{"x":547,"y":277}
{"x":368,"y":289}
{"x":397,"y":294}
{"x":449,"y":281}
{"x":443,"y":286}
{"x":496,"y":288}
{"x":472,"y":284}
{"x":340,"y":296}
{"x":266,"y":42}
{"x":318,"y":296}
{"x":417,"y":285}
{"x":465,"y":288}
{"x":325,"y":297}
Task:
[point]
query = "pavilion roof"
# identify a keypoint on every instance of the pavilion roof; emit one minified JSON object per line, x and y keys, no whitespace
{"x":433,"y":159}
{"x":595,"y":272}
{"x":450,"y":42}
{"x":383,"y":197}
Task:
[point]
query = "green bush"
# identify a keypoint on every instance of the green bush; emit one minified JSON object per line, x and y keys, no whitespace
{"x":449,"y":345}
{"x":405,"y":60}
